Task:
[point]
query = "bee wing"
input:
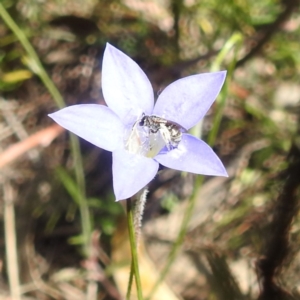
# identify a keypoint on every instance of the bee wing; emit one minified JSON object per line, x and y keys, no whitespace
{"x":182,"y":129}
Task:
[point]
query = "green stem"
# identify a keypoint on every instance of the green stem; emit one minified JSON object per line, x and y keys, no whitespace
{"x":36,"y":66}
{"x":218,"y":117}
{"x":133,"y":246}
{"x":33,"y":61}
{"x":130,"y":281}
{"x":235,"y":39}
{"x":83,"y":204}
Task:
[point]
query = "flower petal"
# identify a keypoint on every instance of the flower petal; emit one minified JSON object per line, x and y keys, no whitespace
{"x":131,"y":173}
{"x":187,"y":100}
{"x":192,"y":155}
{"x":97,"y":124}
{"x":126,"y":88}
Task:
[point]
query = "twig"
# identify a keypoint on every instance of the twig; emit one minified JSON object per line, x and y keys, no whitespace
{"x":36,"y":276}
{"x":96,"y":273}
{"x":42,"y":138}
{"x":11,"y":242}
{"x":16,"y":125}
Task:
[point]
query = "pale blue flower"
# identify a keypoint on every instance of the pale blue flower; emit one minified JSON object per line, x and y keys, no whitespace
{"x":137,"y":151}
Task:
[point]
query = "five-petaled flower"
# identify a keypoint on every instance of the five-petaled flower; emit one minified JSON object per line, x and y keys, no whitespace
{"x":137,"y":147}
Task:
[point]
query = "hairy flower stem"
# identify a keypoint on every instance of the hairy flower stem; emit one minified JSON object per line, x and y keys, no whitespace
{"x":139,"y":211}
{"x":134,"y":257}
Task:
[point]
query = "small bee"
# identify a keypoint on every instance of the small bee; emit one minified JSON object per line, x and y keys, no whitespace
{"x":171,"y":132}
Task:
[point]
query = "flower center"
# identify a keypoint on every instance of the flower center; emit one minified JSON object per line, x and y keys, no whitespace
{"x":150,"y":134}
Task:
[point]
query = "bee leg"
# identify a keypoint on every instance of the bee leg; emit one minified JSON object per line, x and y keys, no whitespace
{"x":165,"y":133}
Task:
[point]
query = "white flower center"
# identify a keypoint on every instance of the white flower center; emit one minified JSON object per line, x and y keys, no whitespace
{"x":150,"y":134}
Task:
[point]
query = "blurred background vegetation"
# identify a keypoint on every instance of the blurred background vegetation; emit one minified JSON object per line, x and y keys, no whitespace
{"x":243,"y":237}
